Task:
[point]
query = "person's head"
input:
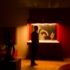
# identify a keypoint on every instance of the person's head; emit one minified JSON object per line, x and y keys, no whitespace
{"x":35,"y":28}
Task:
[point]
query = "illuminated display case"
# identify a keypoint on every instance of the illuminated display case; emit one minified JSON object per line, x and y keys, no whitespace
{"x":47,"y":32}
{"x":49,"y":47}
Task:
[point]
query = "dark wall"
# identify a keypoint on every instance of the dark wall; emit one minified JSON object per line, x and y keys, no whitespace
{"x":7,"y":34}
{"x":60,"y":16}
{"x":63,"y":35}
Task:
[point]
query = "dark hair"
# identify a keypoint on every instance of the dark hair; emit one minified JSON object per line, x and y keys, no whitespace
{"x":35,"y":28}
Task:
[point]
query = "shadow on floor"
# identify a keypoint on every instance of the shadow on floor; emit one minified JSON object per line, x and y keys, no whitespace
{"x":65,"y":67}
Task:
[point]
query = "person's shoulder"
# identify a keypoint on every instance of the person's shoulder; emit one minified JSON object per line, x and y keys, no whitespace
{"x":32,"y":33}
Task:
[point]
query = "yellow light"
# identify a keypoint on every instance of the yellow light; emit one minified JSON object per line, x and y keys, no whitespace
{"x":36,"y":24}
{"x":46,"y":41}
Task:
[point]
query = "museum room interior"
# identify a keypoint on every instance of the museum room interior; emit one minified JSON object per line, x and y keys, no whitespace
{"x":18,"y":18}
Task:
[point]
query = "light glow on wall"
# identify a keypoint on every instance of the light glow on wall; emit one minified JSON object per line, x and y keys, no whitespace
{"x":43,"y":24}
{"x":47,"y":41}
{"x":21,"y":40}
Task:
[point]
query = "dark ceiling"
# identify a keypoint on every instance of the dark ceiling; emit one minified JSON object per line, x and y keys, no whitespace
{"x":44,"y":3}
{"x":14,"y":12}
{"x":38,"y":3}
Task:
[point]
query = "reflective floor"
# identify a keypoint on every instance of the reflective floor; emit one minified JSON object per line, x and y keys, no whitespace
{"x":46,"y":65}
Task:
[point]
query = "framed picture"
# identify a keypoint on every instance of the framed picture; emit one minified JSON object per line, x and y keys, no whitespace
{"x":46,"y":31}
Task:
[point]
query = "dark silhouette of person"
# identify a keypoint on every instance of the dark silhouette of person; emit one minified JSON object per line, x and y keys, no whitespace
{"x":10,"y":50}
{"x":34,"y":45}
{"x":9,"y":44}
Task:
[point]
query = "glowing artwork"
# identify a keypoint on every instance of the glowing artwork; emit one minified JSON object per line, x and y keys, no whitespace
{"x":47,"y":31}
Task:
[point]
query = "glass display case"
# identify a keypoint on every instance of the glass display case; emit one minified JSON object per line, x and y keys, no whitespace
{"x":47,"y":32}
